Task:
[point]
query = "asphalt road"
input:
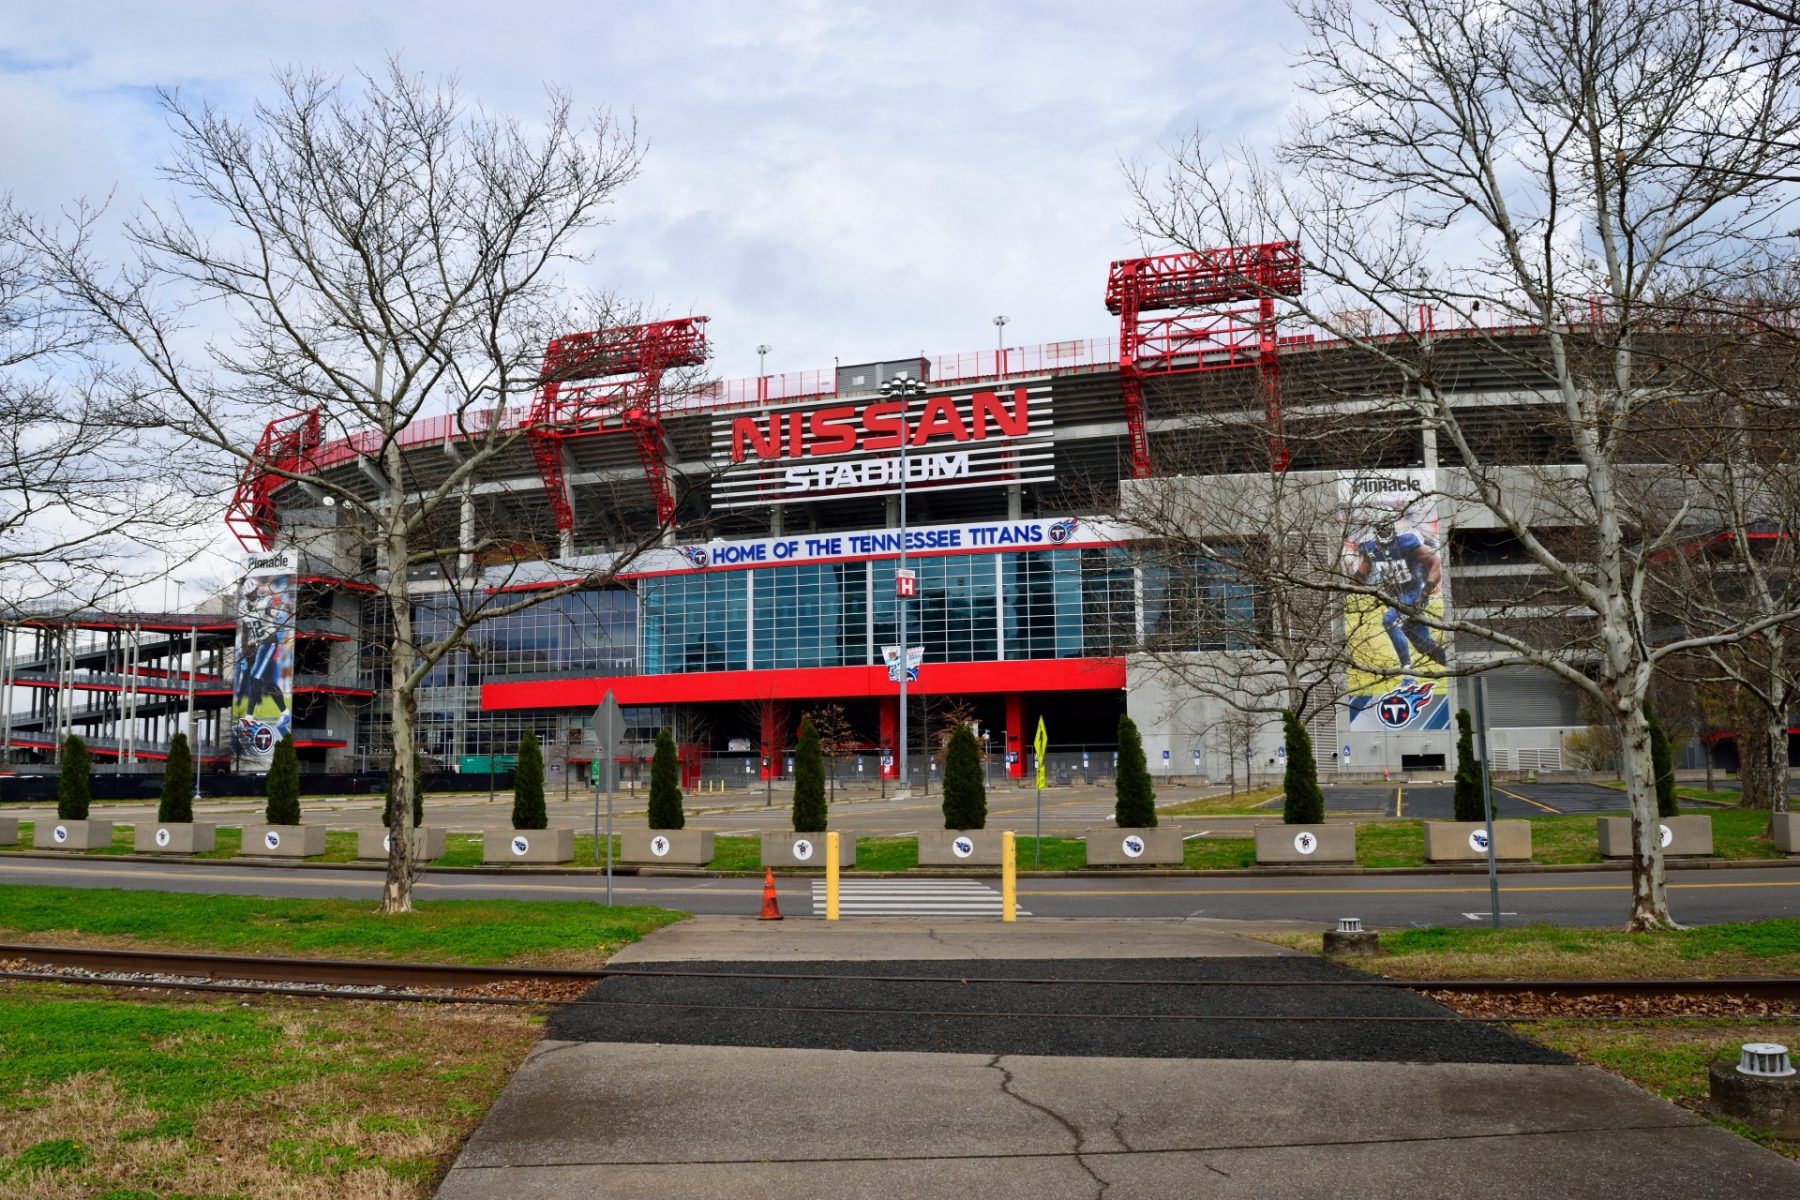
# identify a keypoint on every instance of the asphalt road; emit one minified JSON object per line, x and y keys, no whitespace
{"x":1096,"y":1008}
{"x":1590,"y":898}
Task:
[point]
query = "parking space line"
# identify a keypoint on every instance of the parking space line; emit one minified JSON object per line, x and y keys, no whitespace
{"x":1398,"y":796}
{"x":1527,"y":799}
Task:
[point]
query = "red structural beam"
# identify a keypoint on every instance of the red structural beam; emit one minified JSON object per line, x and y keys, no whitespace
{"x":811,"y":683}
{"x":285,"y":447}
{"x":610,"y":381}
{"x":1223,"y":303}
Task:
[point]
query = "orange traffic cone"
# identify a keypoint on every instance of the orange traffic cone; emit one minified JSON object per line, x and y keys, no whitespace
{"x":771,"y":911}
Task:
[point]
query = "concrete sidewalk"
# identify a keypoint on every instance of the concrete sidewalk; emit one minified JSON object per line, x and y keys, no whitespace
{"x":874,"y":939}
{"x":637,"y":1118}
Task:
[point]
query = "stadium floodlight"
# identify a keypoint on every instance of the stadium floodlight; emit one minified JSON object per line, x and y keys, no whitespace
{"x":1000,"y":334}
{"x":905,"y":389}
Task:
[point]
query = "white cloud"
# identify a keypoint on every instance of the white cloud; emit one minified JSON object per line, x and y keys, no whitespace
{"x":837,"y":179}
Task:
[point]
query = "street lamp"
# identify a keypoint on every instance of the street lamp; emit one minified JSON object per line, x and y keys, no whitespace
{"x":905,"y":389}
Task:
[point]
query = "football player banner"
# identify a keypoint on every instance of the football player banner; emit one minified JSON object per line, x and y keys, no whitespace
{"x":262,"y":681}
{"x":914,"y":656}
{"x":1393,"y":543}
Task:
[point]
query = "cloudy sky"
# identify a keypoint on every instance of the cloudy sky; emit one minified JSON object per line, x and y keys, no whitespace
{"x":834,"y":179}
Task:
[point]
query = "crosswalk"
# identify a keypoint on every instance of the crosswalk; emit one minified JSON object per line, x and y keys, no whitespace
{"x":912,"y":898}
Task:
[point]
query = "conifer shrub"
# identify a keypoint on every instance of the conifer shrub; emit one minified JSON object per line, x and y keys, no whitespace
{"x":665,"y":785}
{"x":1304,"y":803}
{"x":1134,"y":800}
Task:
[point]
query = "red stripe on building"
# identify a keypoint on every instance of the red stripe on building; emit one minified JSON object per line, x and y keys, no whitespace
{"x":811,"y":683}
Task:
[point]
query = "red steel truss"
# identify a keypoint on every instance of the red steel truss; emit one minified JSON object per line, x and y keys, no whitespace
{"x":610,"y":381}
{"x":285,"y":447}
{"x":1235,"y":289}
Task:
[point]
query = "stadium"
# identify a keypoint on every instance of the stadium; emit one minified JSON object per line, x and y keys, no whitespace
{"x":778,"y":586}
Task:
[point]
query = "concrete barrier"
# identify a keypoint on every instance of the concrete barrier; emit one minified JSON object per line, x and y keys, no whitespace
{"x":428,"y":842}
{"x":1466,"y":841}
{"x":174,"y":837}
{"x":528,"y":845}
{"x":666,"y":847}
{"x":1159,"y":847}
{"x":1785,"y":829}
{"x":1681,"y":836}
{"x":1289,"y":845}
{"x":9,"y":831}
{"x":959,"y":848}
{"x":283,"y":841}
{"x":790,"y":849}
{"x":72,"y":835}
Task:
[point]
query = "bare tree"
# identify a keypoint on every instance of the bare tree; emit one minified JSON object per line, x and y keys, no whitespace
{"x":368,"y":255}
{"x":1237,"y":731}
{"x":85,"y":490}
{"x":1559,"y":180}
{"x":837,"y":737}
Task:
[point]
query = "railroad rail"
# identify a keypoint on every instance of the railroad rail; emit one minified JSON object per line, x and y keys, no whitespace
{"x":318,"y":971}
{"x":193,"y":971}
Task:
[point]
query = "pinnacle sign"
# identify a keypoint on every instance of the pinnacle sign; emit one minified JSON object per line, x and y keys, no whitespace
{"x":816,"y":450}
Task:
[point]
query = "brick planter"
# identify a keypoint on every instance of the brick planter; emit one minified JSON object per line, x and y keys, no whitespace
{"x":528,"y":846}
{"x":1681,"y":836}
{"x":428,"y":843}
{"x":805,"y":849}
{"x":671,"y":847}
{"x":1159,"y":847}
{"x":283,"y":841}
{"x":174,"y":837}
{"x":978,"y":848}
{"x":72,"y":835}
{"x":1302,"y":845}
{"x":1462,"y":841}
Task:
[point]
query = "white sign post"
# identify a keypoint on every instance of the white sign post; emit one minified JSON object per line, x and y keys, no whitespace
{"x":609,"y":733}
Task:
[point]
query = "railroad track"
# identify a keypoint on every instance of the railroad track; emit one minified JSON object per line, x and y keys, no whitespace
{"x":355,"y":979}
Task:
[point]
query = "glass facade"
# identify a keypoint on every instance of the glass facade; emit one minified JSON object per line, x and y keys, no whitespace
{"x":1036,"y":604}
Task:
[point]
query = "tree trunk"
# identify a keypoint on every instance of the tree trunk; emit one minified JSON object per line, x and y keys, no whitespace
{"x":1776,"y":761}
{"x":397,"y":889}
{"x":1649,"y":897}
{"x":1756,"y":786}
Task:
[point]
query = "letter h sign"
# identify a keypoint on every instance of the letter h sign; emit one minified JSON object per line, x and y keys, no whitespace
{"x":906,"y":584}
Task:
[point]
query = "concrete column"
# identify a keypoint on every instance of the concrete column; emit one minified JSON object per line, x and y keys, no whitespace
{"x":1015,"y":735}
{"x":771,"y":742}
{"x":890,"y":734}
{"x":1015,"y":502}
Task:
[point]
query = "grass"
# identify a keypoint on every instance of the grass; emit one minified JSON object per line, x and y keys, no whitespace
{"x":1755,"y":948}
{"x":1218,"y":854}
{"x":474,"y":931}
{"x":265,"y":1098}
{"x":1668,"y":1060}
{"x":1390,"y":843}
{"x":1259,"y":801}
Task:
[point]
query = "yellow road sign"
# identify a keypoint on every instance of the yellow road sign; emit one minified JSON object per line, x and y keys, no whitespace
{"x":1038,"y":743}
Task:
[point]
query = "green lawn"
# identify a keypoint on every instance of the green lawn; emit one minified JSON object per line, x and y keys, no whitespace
{"x":128,"y":1100}
{"x":1390,"y":843}
{"x":1768,"y":947}
{"x":475,"y":931}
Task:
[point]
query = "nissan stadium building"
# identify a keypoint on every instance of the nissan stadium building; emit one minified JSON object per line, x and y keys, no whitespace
{"x":778,"y":586}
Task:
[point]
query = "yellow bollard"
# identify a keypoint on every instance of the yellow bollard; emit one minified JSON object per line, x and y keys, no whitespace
{"x":1009,"y":878}
{"x":831,"y":876}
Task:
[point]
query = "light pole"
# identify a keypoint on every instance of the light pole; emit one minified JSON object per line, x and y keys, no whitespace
{"x":762,"y":354}
{"x":904,"y":389}
{"x":999,"y":342}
